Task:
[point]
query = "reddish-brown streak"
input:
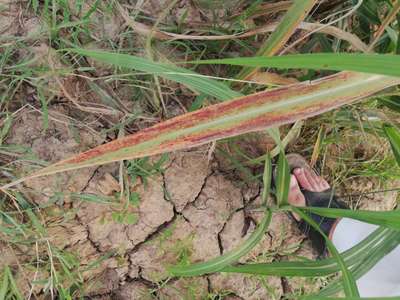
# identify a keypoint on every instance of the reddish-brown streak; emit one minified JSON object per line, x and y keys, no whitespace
{"x":205,"y":114}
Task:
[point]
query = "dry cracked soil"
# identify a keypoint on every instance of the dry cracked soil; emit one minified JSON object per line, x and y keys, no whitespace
{"x":189,"y":212}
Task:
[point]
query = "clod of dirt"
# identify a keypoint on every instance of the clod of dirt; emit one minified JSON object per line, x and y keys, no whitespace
{"x":104,"y":284}
{"x":14,"y":21}
{"x":8,"y":257}
{"x":103,"y":25}
{"x":283,"y":234}
{"x":170,"y":245}
{"x":361,"y":187}
{"x":185,"y":288}
{"x":134,"y":290}
{"x":218,"y":200}
{"x":185,"y":177}
{"x":106,"y":234}
{"x":231,"y":235}
{"x":57,"y":143}
{"x":66,"y":234}
{"x":246,"y":287}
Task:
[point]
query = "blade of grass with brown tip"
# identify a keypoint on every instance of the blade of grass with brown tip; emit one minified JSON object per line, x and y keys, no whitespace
{"x":245,"y":114}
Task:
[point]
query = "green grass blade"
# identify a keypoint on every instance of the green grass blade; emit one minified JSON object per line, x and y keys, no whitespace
{"x":347,"y":298}
{"x":364,"y":251}
{"x":218,"y":263}
{"x":13,"y":285}
{"x":4,"y":286}
{"x":375,"y":254}
{"x":384,"y":64}
{"x":393,"y":134}
{"x":389,"y":219}
{"x":267,"y":177}
{"x":392,"y":102}
{"x":283,"y":180}
{"x":191,"y":79}
{"x":349,"y":284}
{"x":287,"y":26}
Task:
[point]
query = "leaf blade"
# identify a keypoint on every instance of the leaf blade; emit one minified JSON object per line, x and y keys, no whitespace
{"x":368,"y":249}
{"x":218,"y":263}
{"x":245,"y":114}
{"x":349,"y":284}
{"x":390,"y":219}
{"x":384,"y":64}
{"x":393,"y":134}
{"x":191,"y":79}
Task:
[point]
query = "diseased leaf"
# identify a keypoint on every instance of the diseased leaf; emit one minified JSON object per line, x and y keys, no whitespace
{"x":251,"y":113}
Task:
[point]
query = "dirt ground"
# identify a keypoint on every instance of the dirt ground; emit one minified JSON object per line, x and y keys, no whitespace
{"x":192,"y":211}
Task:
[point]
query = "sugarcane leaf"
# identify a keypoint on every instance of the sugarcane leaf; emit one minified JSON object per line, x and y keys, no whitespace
{"x":393,"y":134}
{"x":389,"y":219}
{"x":282,"y":180}
{"x":267,"y":177}
{"x":193,"y":80}
{"x":245,"y":114}
{"x":385,"y":64}
{"x":373,"y":255}
{"x":349,"y":284}
{"x":371,"y":249}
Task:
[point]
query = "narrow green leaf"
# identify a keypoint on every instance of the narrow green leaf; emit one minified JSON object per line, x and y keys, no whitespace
{"x":276,"y":136}
{"x":13,"y":285}
{"x":4,"y":286}
{"x":104,"y":96}
{"x":44,"y":108}
{"x":392,"y":102}
{"x":349,"y":284}
{"x":389,"y":219}
{"x":393,"y":135}
{"x":218,"y":263}
{"x":373,"y":255}
{"x":347,"y":298}
{"x":267,"y":177}
{"x":93,"y":198}
{"x":197,"y":82}
{"x":385,"y":64}
{"x":36,"y":222}
{"x":368,"y":249}
{"x":283,"y":180}
{"x":5,"y":128}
